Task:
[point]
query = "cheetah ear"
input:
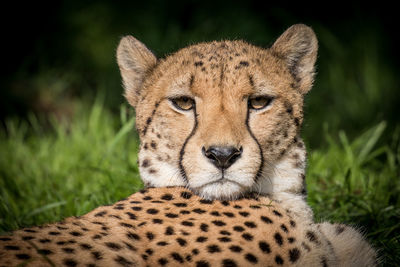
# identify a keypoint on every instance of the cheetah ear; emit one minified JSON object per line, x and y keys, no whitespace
{"x":135,"y":61}
{"x":298,"y":46}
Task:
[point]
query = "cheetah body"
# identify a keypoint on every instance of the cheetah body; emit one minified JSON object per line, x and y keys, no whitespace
{"x":171,"y":226}
{"x":222,"y":120}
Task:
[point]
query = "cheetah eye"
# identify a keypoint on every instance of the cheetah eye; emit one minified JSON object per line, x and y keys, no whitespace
{"x":260,"y":102}
{"x":183,"y":102}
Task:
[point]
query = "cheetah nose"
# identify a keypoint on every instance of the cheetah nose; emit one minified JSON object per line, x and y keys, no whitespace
{"x":222,"y":156}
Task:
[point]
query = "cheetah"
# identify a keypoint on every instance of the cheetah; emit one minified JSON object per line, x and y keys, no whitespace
{"x":222,"y":160}
{"x":171,"y":226}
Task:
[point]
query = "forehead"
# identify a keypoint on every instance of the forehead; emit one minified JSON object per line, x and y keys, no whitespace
{"x":222,"y":67}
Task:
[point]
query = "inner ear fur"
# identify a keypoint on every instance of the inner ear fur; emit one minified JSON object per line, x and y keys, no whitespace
{"x":298,"y":47}
{"x":135,"y":61}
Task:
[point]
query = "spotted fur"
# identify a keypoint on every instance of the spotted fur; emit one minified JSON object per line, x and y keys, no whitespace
{"x":172,"y":227}
{"x":221,"y":77}
{"x":251,"y":212}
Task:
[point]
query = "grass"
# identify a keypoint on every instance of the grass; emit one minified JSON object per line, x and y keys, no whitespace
{"x":51,"y":169}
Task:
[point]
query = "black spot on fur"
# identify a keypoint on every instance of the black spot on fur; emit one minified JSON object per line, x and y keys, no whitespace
{"x":157,"y":221}
{"x":250,"y":224}
{"x":238,"y":228}
{"x":339,"y":229}
{"x":70,"y":262}
{"x":169,"y":230}
{"x":11,"y":248}
{"x":312,"y":237}
{"x":284,"y":228}
{"x":163,"y":261}
{"x":251,"y":258}
{"x":167,"y":197}
{"x":228,"y":263}
{"x":204,"y":227}
{"x":223,"y":232}
{"x":97,"y":255}
{"x":187,"y":223}
{"x":123,"y":261}
{"x":266,"y":219}
{"x":277,"y":213}
{"x":224,"y":239}
{"x":177,"y":257}
{"x":184,"y":212}
{"x":291,"y":239}
{"x":85,"y":246}
{"x":171,"y":215}
{"x":44,"y":240}
{"x":199,"y":211}
{"x":206,"y":201}
{"x":182,"y":242}
{"x":292,"y":223}
{"x":100,"y":214}
{"x":150,"y":235}
{"x":229,"y":214}
{"x":218,"y":223}
{"x":152,"y":211}
{"x":131,"y":215}
{"x":225,"y":203}
{"x":202,"y":263}
{"x":215,"y":213}
{"x":186,"y":195}
{"x":69,"y":250}
{"x":54,"y":233}
{"x":162,"y":243}
{"x":247,"y":236}
{"x":278,"y":239}
{"x":294,"y":254}
{"x":5,"y":239}
{"x":146,"y":163}
{"x":244,"y":213}
{"x":180,"y":205}
{"x":279,"y":260}
{"x":213,"y":248}
{"x":265,"y":247}
{"x":236,"y":249}
{"x":201,"y":239}
{"x":153,"y":144}
{"x":25,"y":238}
{"x":133,"y":236}
{"x":237,"y":207}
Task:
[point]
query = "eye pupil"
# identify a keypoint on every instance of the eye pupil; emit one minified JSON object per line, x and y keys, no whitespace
{"x":183,"y":103}
{"x":260,"y":102}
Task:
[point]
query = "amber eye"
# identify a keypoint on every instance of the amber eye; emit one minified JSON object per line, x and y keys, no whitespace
{"x":183,"y":102}
{"x":260,"y":102}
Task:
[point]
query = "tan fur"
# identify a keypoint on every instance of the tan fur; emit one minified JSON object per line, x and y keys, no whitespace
{"x":221,"y":77}
{"x":173,"y":226}
{"x":252,"y":213}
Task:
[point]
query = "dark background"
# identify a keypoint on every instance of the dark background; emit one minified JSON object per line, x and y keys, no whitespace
{"x":57,"y":54}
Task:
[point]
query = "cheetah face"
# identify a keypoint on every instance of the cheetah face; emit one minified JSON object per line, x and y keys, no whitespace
{"x":218,"y":117}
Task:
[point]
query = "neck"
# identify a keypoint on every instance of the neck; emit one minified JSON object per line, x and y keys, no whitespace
{"x":284,"y":181}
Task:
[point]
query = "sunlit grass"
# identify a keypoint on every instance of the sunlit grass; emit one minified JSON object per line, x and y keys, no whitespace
{"x":52,"y":169}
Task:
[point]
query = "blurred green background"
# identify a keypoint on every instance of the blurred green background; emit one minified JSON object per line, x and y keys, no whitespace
{"x":65,"y":52}
{"x":67,"y":141}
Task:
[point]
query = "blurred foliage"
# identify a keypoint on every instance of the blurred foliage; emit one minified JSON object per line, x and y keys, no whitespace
{"x":63,"y":52}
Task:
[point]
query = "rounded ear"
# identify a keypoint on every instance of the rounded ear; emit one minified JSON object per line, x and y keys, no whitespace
{"x":135,"y":61}
{"x":298,"y":47}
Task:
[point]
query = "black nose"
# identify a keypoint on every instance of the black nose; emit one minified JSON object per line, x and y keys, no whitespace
{"x":222,"y":156}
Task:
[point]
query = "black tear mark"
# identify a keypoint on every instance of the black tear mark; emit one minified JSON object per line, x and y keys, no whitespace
{"x":258,"y":174}
{"x":191,"y":80}
{"x":149,"y":119}
{"x":182,"y":152}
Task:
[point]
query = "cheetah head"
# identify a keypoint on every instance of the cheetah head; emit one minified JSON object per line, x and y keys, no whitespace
{"x":221,"y":118}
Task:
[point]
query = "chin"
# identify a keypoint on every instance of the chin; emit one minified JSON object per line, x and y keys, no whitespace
{"x":221,"y":190}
